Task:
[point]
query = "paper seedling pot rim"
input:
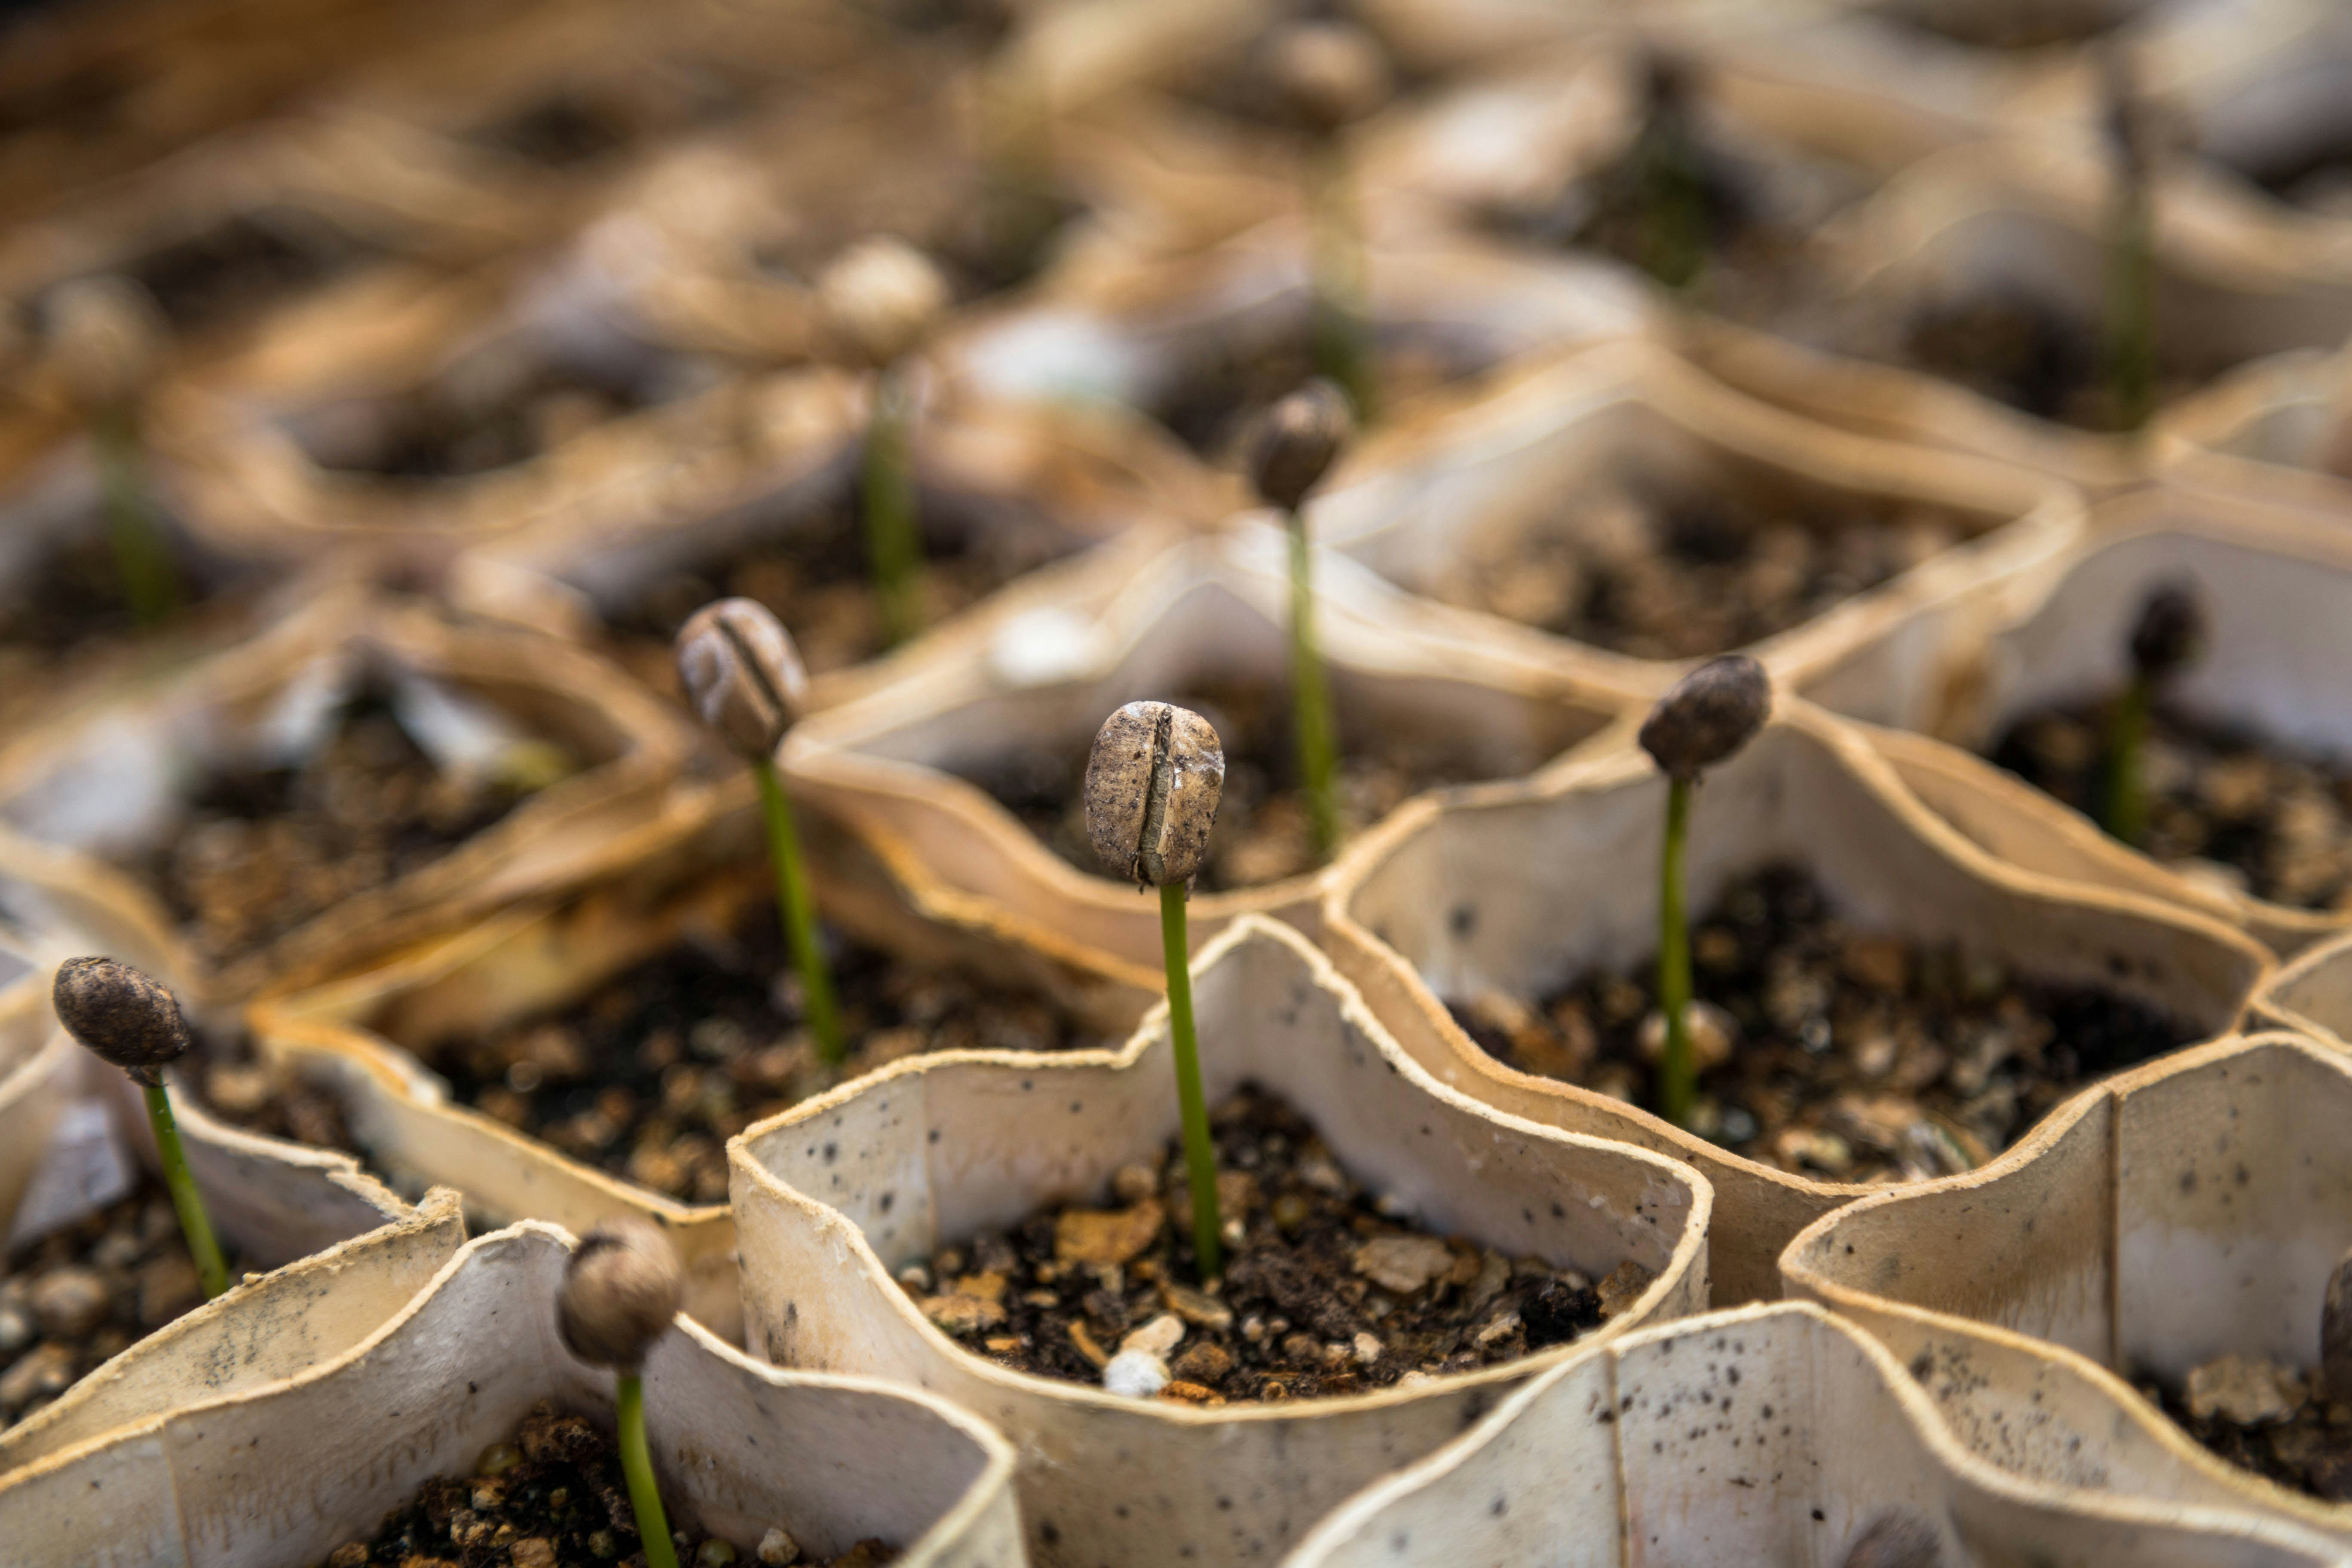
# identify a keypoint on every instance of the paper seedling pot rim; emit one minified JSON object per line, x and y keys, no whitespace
{"x":960,"y":858}
{"x":1345,"y":1533}
{"x":2146,"y":1451}
{"x":1757,"y":1206}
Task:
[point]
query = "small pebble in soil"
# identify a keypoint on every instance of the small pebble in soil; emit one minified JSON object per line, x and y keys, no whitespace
{"x":2274,"y":1420}
{"x":555,"y":1495}
{"x":1689,"y":576}
{"x":1262,"y":831}
{"x":1831,"y":1051}
{"x":261,"y":851}
{"x":652,"y":1072}
{"x":1323,"y":1293}
{"x":80,"y":1295}
{"x":2229,"y":808}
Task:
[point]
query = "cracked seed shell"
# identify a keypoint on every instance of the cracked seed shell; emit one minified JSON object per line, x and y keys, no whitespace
{"x":121,"y":1015}
{"x":1153,"y":783}
{"x":743,"y":674}
{"x":620,"y":1287}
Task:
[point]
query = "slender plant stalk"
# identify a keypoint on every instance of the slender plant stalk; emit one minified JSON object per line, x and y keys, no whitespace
{"x":1310,"y":696}
{"x":1343,"y":339}
{"x":2123,"y":807}
{"x":2131,"y":305}
{"x":141,"y":560}
{"x":1677,"y":1080}
{"x":1200,"y":1153}
{"x":637,"y":1465}
{"x":194,"y":1224}
{"x":888,"y":491}
{"x":1674,"y":208}
{"x":799,"y":912}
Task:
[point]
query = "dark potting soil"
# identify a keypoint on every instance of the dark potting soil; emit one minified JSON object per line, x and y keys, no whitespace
{"x":255,"y":1096}
{"x":2302,"y":1441}
{"x":237,"y":267}
{"x":1261,"y":829}
{"x":1229,"y":384}
{"x":73,"y":598}
{"x":652,"y":1073}
{"x":80,"y":1295}
{"x":2010,"y":24}
{"x":553,"y":1498}
{"x":263,"y":850}
{"x":1693,"y":576}
{"x":1327,"y":1294}
{"x":2317,"y":178}
{"x":1842,"y":1054}
{"x":2236,"y":809}
{"x":2028,"y":356}
{"x":817,"y":576}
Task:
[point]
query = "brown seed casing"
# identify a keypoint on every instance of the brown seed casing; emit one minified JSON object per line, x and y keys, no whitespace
{"x":1897,"y":1538}
{"x":1296,"y":441}
{"x":2170,"y":631}
{"x":108,"y":336}
{"x":1329,"y":73}
{"x":121,"y":1015}
{"x":879,"y":296}
{"x":1709,"y":715}
{"x":743,"y":674}
{"x":2336,"y":1334}
{"x":1153,"y":783}
{"x":620,"y":1288}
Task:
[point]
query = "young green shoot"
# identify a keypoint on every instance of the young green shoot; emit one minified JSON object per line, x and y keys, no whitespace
{"x":2129,"y":336}
{"x":621,"y":1291}
{"x":1293,"y":446}
{"x":106,"y":335}
{"x":1329,"y":75}
{"x":1707,"y":717}
{"x":132,"y":1021}
{"x":1670,"y":185}
{"x":2165,"y":639}
{"x":740,"y":671}
{"x":879,"y":299}
{"x":1153,"y":783}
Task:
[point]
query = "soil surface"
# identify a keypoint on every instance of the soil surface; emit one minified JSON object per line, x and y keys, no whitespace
{"x":2222,"y":804}
{"x":261,"y":851}
{"x":1692,"y":576}
{"x":1262,"y":830}
{"x":554,"y":1496}
{"x":274,"y":1101}
{"x":1841,"y":1054}
{"x":73,"y":597}
{"x":652,"y":1073}
{"x":1229,"y":384}
{"x":243,"y":264}
{"x":817,"y":576}
{"x":2318,"y":179}
{"x":2028,"y":356}
{"x":1327,"y":1293}
{"x":2272,"y":1420}
{"x":2010,"y":24}
{"x":80,"y":1295}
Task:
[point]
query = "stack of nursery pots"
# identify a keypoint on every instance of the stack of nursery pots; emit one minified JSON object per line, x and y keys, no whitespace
{"x":1716,"y":626}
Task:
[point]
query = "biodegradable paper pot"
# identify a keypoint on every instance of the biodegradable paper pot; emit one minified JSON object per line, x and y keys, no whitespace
{"x":1495,"y":892}
{"x":283,"y":1473}
{"x":1630,"y":415}
{"x":1769,"y":1436}
{"x":831,"y":1198}
{"x":886,"y":766}
{"x":2190,"y":1209}
{"x":2280,"y":426}
{"x":2270,"y":577}
{"x":2312,"y":993}
{"x":366,"y":1036}
{"x":105,"y":779}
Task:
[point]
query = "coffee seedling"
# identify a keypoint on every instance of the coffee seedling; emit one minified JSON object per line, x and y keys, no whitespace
{"x":1331,"y":74}
{"x":132,"y":1021}
{"x":2168,"y":637}
{"x":621,"y":1291}
{"x":106,"y":335}
{"x":2130,"y":325}
{"x":879,"y":298}
{"x":1709,"y":715}
{"x":1293,"y":446}
{"x":743,"y":676}
{"x":1896,"y":1538}
{"x":1153,"y":783}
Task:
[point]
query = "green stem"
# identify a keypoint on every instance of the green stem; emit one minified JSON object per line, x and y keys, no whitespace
{"x":1310,"y":695}
{"x":892,"y":549}
{"x":798,"y":908}
{"x":1342,"y":329}
{"x":194,"y":1224}
{"x":2123,"y":807}
{"x":1200,"y":1153}
{"x":1677,"y":1081}
{"x":1674,"y":207}
{"x":141,"y":559}
{"x":637,"y":1465}
{"x":2131,"y":305}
